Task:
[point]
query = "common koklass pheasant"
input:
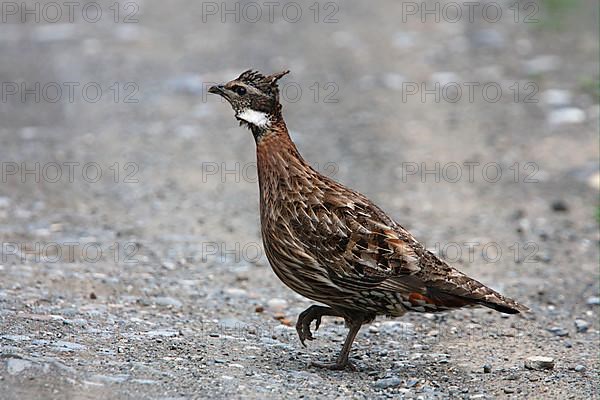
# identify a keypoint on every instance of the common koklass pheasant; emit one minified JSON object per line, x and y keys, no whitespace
{"x":332,"y":244}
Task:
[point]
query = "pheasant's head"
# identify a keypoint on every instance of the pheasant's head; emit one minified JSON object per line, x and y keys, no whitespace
{"x":254,"y":98}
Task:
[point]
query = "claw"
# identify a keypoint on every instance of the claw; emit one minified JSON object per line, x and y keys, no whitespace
{"x":301,"y":334}
{"x":306,"y":330}
{"x":337,"y":366}
{"x":317,"y":323}
{"x":305,"y":319}
{"x":303,"y":329}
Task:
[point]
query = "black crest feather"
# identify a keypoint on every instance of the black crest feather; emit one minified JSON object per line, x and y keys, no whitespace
{"x":266,"y":84}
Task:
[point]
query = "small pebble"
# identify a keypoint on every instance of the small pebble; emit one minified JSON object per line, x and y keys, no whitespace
{"x":509,"y":390}
{"x":556,"y":97}
{"x":593,"y":301}
{"x":579,"y":368}
{"x":559,"y":206}
{"x":559,"y":331}
{"x":411,"y":382}
{"x":539,"y":363}
{"x":581,"y":325}
{"x":566,"y":115}
{"x":388,"y":382}
{"x":279,"y":316}
{"x":487,"y":368}
{"x":235,"y":292}
{"x":168,"y":265}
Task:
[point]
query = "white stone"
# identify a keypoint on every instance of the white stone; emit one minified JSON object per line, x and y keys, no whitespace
{"x":542,"y":64}
{"x":568,"y":115}
{"x":539,"y":363}
{"x":556,"y":97}
{"x":236,"y":292}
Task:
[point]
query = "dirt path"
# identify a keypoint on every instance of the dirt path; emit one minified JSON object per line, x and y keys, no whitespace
{"x":131,"y":262}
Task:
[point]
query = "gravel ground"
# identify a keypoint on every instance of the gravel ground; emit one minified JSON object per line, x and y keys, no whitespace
{"x":149,"y":280}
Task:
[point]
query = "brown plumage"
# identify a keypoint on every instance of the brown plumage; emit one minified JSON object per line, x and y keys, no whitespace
{"x":332,"y":244}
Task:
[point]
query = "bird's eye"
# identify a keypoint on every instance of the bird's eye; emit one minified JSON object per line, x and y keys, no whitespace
{"x":240,"y":90}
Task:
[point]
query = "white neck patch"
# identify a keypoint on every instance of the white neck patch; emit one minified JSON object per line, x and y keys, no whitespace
{"x":257,"y":118}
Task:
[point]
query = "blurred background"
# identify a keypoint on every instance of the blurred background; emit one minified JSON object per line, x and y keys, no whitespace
{"x":132,"y":263}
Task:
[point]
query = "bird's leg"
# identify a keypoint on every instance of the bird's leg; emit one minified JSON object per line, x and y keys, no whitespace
{"x":342,"y":361}
{"x":313,"y":313}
